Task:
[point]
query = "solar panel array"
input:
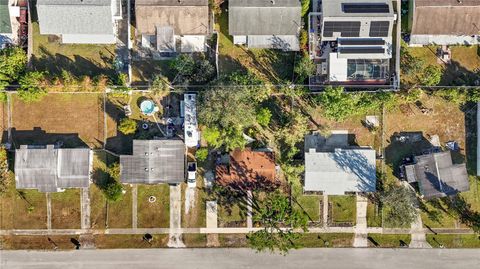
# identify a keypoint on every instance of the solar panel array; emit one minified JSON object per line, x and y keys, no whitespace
{"x":379,"y":28}
{"x":346,"y":28}
{"x":361,"y":42}
{"x":361,"y":50}
{"x":365,"y":8}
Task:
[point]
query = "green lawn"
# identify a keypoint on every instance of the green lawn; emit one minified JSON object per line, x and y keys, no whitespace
{"x":311,"y":205}
{"x":130,"y":241}
{"x":231,"y":216}
{"x":270,"y":65}
{"x":30,"y":210}
{"x":435,"y":215}
{"x":389,"y":240}
{"x":454,"y":240}
{"x":314,"y":240}
{"x":80,"y":59}
{"x":38,"y":242}
{"x":66,"y":209}
{"x":120,"y":212}
{"x":195,"y":240}
{"x":156,"y":214}
{"x":374,"y":215}
{"x":343,"y":208}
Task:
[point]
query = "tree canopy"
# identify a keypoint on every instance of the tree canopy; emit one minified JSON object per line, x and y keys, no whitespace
{"x":399,"y":203}
{"x":279,"y":220}
{"x":13,"y":62}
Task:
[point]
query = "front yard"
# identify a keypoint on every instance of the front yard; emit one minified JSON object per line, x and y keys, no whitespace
{"x":454,"y":240}
{"x":343,"y":209}
{"x":23,"y":209}
{"x":389,"y":240}
{"x":66,"y":209}
{"x":327,"y":240}
{"x":153,"y":214}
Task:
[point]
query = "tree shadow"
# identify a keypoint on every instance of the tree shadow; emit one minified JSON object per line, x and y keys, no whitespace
{"x":457,"y":75}
{"x":460,"y":207}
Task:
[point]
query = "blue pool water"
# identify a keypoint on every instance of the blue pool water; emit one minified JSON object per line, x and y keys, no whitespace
{"x":147,"y":107}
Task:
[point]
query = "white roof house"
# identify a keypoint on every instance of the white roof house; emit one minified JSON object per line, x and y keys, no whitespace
{"x":80,"y":21}
{"x":334,"y":168}
{"x":362,"y":31}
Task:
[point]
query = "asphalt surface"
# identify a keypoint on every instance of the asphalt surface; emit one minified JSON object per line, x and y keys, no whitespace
{"x":243,"y":258}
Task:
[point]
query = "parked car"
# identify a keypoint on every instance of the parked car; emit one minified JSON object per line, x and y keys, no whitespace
{"x":192,"y":173}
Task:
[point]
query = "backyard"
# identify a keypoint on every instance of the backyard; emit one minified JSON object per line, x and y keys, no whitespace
{"x":49,"y":54}
{"x":157,"y":213}
{"x":270,"y":65}
{"x":462,"y":69}
{"x":73,"y":120}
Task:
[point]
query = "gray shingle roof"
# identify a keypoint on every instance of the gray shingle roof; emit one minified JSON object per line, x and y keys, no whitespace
{"x":75,"y":17}
{"x":154,"y":161}
{"x":48,"y":169}
{"x":261,"y":17}
{"x":437,"y":176}
{"x":5,"y":24}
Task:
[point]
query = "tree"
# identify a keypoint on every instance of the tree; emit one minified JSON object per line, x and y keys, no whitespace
{"x":304,"y":67}
{"x":279,"y":220}
{"x":226,"y":113}
{"x":430,"y":76}
{"x":127,"y":126}
{"x":32,"y":86}
{"x":399,"y":206}
{"x":201,"y":154}
{"x":160,"y":86}
{"x":263,"y":116}
{"x":13,"y":62}
{"x":336,"y":103}
{"x":112,"y":190}
{"x":305,"y":7}
{"x":292,"y":133}
{"x":191,"y":71}
{"x":114,"y":171}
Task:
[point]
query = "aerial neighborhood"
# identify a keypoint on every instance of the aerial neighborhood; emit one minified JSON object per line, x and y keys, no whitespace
{"x":267,"y":124}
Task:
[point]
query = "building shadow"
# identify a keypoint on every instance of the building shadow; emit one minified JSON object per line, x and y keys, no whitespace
{"x":39,"y":137}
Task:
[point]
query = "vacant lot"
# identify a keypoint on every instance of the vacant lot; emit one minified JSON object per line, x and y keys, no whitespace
{"x":343,"y":209}
{"x":270,"y":65}
{"x":72,"y":119}
{"x":389,"y":240}
{"x":66,"y":209}
{"x":153,"y":214}
{"x":80,"y":59}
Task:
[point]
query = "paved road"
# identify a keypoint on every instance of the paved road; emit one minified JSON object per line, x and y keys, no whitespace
{"x":243,"y":258}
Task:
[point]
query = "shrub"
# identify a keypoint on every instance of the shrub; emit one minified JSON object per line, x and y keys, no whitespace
{"x":114,"y":171}
{"x":305,"y":7}
{"x":202,"y":154}
{"x":264,"y":116}
{"x":32,"y":87}
{"x":127,"y":126}
{"x":303,"y":39}
{"x":112,"y":190}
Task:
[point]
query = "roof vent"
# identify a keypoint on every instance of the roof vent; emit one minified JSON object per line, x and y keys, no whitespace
{"x":272,"y":1}
{"x":146,"y":169}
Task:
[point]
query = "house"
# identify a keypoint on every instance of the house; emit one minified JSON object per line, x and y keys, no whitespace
{"x":9,"y":25}
{"x":436,"y":175}
{"x":445,"y":22}
{"x":351,"y":41}
{"x":154,"y":162}
{"x":80,"y":21}
{"x":247,"y":168}
{"x":169,"y":26}
{"x":51,"y":169}
{"x":334,"y":167}
{"x":267,"y":24}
